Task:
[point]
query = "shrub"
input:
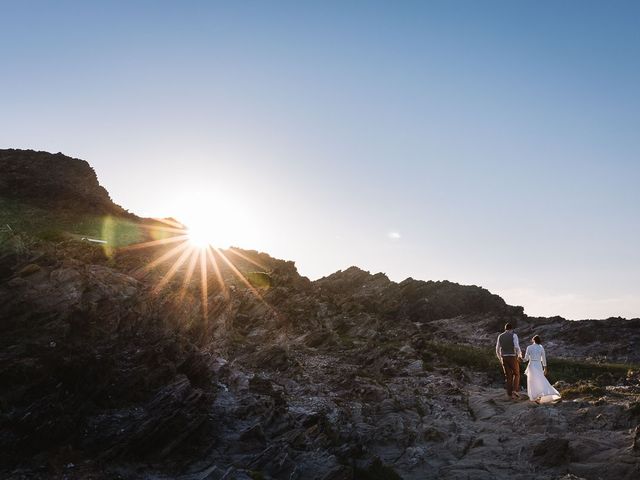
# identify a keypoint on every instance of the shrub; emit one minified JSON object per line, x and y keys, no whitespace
{"x":582,"y":389}
{"x":463,"y":355}
{"x":52,"y":235}
{"x":572,"y":371}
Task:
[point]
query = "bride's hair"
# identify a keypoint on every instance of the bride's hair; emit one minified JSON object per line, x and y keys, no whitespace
{"x":536,"y":338}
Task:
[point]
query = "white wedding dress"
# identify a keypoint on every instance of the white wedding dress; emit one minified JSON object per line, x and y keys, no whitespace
{"x":538,"y":387}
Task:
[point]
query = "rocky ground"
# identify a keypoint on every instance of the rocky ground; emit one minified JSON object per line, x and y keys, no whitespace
{"x":107,"y":371}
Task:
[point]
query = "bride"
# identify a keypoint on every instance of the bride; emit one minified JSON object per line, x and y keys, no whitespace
{"x":538,"y":387}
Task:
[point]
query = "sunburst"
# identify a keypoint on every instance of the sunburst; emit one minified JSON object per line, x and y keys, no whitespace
{"x":191,"y":250}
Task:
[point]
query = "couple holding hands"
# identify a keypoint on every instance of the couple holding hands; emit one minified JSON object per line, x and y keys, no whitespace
{"x":539,"y":389}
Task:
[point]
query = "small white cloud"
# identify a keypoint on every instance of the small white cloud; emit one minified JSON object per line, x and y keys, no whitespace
{"x":394,"y":235}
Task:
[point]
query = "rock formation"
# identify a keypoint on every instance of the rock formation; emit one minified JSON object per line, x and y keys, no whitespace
{"x":111,"y":369}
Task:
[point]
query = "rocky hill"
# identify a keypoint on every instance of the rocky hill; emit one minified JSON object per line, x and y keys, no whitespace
{"x":158,"y":360}
{"x":53,"y":182}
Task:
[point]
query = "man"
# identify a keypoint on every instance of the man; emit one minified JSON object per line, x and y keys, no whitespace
{"x":508,"y":352}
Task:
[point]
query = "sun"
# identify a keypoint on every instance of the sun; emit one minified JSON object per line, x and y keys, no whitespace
{"x":202,"y":236}
{"x":217,"y":231}
{"x":202,"y":243}
{"x":218,"y":222}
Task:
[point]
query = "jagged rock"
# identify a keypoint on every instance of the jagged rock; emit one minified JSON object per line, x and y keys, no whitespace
{"x":552,"y":451}
{"x":274,"y":357}
{"x":53,"y":181}
{"x":340,"y":472}
{"x":170,"y":420}
{"x":254,"y":433}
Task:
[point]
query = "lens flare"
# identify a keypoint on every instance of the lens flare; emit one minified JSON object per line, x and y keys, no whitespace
{"x":185,"y":250}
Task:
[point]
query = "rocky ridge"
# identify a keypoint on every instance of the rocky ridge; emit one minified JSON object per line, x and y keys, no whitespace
{"x":102,"y":375}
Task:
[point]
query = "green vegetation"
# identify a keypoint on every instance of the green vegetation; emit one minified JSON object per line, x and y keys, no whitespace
{"x":460,"y":355}
{"x":56,"y":226}
{"x":51,"y":235}
{"x":581,"y":390}
{"x":484,"y":360}
{"x":575,"y":370}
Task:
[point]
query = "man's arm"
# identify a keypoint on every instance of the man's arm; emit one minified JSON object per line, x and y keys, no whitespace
{"x":516,"y":346}
{"x":498,"y":350}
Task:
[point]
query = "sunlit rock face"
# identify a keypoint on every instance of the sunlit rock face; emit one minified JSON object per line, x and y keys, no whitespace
{"x":114,"y":365}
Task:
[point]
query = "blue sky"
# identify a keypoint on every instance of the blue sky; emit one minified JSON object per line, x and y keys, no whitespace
{"x":489,"y":143}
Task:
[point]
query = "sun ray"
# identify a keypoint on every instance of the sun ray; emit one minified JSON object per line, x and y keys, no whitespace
{"x":187,"y":251}
{"x":170,"y":222}
{"x":163,"y":228}
{"x":239,"y":274}
{"x":204,"y":283}
{"x":187,"y":277}
{"x":154,"y":243}
{"x":163,"y":258}
{"x":246,"y":282}
{"x":172,"y":271}
{"x":246,"y":257}
{"x":216,"y":269}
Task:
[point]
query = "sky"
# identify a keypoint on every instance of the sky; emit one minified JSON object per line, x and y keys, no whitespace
{"x":493,"y":143}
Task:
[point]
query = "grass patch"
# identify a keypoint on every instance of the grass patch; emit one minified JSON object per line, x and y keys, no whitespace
{"x":460,"y":355}
{"x":575,"y":370}
{"x":61,"y":224}
{"x":582,"y":390}
{"x":485,"y":360}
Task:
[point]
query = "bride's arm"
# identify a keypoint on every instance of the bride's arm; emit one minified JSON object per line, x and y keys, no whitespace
{"x":544,"y":359}
{"x":526,"y":355}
